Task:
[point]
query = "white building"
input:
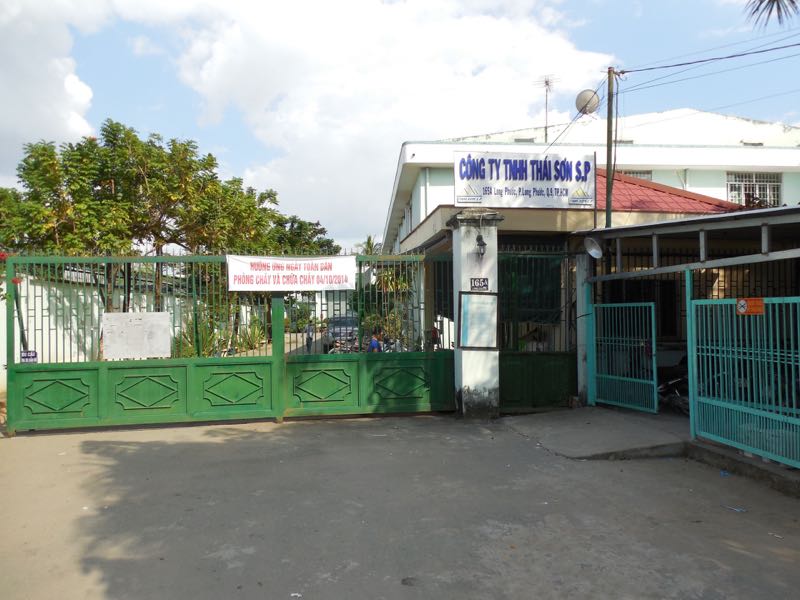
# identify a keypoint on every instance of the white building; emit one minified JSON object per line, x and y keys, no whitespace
{"x":715,"y":155}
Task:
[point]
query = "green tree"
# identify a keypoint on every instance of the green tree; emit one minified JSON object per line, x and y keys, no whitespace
{"x":296,"y":236}
{"x":763,"y":11}
{"x":120,"y":193}
{"x":369,"y":247}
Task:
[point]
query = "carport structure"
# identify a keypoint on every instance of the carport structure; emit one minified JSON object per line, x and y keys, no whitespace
{"x":721,"y":291}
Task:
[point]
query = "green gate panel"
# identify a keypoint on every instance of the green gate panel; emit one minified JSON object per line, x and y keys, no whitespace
{"x":396,"y":383}
{"x":234,"y":390}
{"x":536,"y":380}
{"x":54,"y":398}
{"x":217,"y":369}
{"x":441,"y":366}
{"x":322,"y":385}
{"x":356,"y":384}
{"x":408,"y":382}
{"x":142,"y":394}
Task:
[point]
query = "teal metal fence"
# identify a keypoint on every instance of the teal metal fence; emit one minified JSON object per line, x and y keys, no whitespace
{"x":624,"y":361}
{"x":746,"y":388}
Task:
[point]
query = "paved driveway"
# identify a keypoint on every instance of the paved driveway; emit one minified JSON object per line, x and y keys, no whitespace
{"x":420,"y":507}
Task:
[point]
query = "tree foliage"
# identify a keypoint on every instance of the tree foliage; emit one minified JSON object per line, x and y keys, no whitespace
{"x":763,"y":11}
{"x":120,"y":193}
{"x":369,"y":247}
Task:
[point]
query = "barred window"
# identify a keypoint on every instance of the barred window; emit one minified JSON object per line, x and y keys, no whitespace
{"x":646,"y":175}
{"x":754,"y":189}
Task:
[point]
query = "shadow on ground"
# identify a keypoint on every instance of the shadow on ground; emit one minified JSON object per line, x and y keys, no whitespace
{"x":419,"y":508}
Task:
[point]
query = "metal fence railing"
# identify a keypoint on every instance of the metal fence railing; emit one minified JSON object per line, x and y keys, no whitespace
{"x":667,"y":290}
{"x":536,"y":302}
{"x":60,"y":303}
{"x":747,"y":382}
{"x":623,"y":356}
{"x":389,"y":304}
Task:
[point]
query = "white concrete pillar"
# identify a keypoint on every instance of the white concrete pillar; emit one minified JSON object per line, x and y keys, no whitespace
{"x":477,"y":370}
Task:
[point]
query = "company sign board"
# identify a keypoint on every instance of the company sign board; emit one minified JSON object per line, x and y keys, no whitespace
{"x":511,"y":180}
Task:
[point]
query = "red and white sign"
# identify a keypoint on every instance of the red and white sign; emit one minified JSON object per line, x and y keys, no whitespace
{"x":296,"y":274}
{"x":749,"y":306}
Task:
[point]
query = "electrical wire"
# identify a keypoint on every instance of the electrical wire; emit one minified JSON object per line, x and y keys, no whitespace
{"x":578,"y":114}
{"x":739,"y":43}
{"x":712,"y":59}
{"x":642,"y":86}
{"x":692,"y":68}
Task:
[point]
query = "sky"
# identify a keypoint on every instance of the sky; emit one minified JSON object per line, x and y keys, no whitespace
{"x":314,"y":98}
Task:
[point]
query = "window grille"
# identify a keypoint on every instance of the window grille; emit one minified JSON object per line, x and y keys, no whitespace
{"x":754,"y":189}
{"x":646,"y":175}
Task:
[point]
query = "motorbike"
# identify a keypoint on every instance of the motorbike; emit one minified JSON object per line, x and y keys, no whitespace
{"x":340,"y":346}
{"x":673,"y":394}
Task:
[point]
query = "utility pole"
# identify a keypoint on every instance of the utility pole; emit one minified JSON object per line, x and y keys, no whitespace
{"x":609,"y":144}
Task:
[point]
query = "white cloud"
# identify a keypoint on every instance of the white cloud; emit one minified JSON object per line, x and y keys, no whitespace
{"x":141,"y":45}
{"x":336,"y":87}
{"x":43,"y":98}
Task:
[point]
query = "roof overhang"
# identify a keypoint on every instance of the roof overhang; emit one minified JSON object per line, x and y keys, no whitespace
{"x":761,"y":227}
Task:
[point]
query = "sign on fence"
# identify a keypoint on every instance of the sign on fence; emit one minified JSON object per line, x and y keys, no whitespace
{"x":295,"y":274}
{"x":749,"y":306}
{"x":132,"y":336}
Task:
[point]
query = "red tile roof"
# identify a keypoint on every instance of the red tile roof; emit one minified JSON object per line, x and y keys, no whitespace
{"x":634,"y":194}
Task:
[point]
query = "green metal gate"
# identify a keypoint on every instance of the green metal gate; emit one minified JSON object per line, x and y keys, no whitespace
{"x":538,"y":361}
{"x":622,"y":357}
{"x":232,"y":355}
{"x":745,"y":375}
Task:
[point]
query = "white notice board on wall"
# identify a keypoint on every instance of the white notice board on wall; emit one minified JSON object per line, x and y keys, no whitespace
{"x":129,"y":336}
{"x":478,"y":321}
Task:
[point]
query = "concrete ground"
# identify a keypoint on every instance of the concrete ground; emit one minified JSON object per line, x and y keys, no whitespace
{"x":405,"y":507}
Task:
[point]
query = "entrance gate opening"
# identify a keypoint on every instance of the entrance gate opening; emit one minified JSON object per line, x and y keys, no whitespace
{"x":623,"y":369}
{"x":537,"y":329}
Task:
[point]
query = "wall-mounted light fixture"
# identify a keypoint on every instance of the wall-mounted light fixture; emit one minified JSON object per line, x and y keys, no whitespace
{"x":481,"y":245}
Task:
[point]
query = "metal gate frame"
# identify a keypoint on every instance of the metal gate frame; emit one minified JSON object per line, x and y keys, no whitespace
{"x":620,"y":372}
{"x":744,"y":376}
{"x":71,"y":391}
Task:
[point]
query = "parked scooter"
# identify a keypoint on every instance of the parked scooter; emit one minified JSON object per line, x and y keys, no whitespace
{"x":673,"y":394}
{"x":390,"y":345}
{"x":343,"y":347}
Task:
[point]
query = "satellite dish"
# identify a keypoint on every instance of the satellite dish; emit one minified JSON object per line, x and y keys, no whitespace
{"x":587,"y":102}
{"x":593,"y":247}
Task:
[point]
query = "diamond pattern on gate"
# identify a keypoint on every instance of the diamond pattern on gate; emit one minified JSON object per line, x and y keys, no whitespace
{"x":57,"y":396}
{"x":322,"y":386}
{"x":226,"y":389}
{"x":401,"y":383}
{"x":147,"y":391}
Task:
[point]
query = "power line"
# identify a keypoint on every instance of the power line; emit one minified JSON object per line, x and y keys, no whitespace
{"x":701,"y":66}
{"x":575,"y":118}
{"x":641,"y":86}
{"x":739,"y":43}
{"x":713,"y":59}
